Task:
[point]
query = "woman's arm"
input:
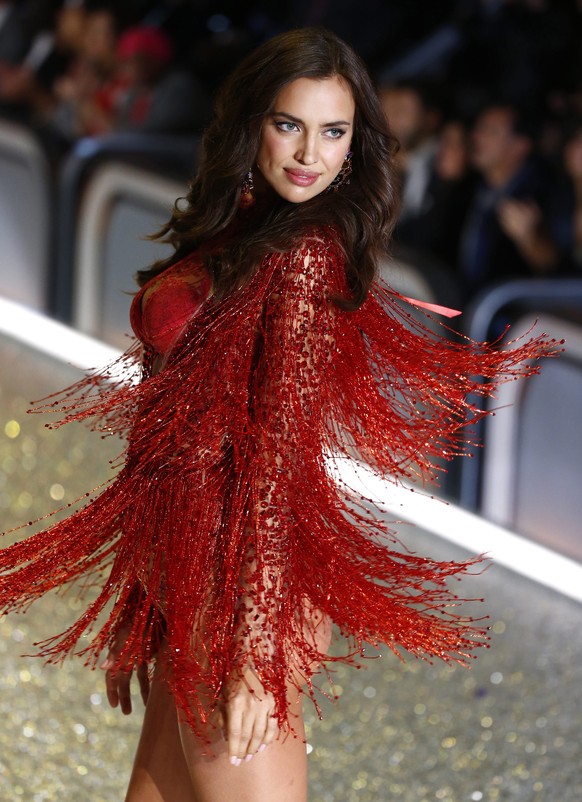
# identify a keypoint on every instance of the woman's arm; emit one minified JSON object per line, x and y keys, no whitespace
{"x":296,"y":346}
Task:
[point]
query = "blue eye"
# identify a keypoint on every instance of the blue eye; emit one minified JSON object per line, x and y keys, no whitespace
{"x":286,"y":127}
{"x":336,"y":133}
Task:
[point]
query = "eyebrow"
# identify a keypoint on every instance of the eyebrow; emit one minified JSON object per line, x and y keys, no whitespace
{"x":299,"y":120}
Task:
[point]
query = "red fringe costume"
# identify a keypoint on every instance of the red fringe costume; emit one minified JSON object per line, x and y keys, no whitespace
{"x":224,"y":530}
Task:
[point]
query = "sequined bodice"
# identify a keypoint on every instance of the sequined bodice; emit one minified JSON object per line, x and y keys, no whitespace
{"x":163,"y":307}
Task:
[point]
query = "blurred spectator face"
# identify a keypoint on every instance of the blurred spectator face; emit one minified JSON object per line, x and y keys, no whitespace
{"x":406,"y":115}
{"x":100,"y":37}
{"x":70,"y":28}
{"x":573,"y":156}
{"x":144,"y":55}
{"x":495,"y":145}
{"x":452,"y":158}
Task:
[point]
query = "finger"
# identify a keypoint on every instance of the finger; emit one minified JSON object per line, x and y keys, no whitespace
{"x":221,"y":723}
{"x":117,"y":686}
{"x":272,"y":731}
{"x":234,"y":723}
{"x":111,"y":688}
{"x":108,"y":662}
{"x":143,"y":677}
{"x":248,"y":724}
{"x":258,"y":735}
{"x":123,"y":683}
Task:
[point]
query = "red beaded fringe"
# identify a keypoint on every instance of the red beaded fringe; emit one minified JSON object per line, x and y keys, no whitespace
{"x":224,"y":531}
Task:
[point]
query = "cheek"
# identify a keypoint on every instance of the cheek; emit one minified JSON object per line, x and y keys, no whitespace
{"x":337,"y":159}
{"x":272,"y":149}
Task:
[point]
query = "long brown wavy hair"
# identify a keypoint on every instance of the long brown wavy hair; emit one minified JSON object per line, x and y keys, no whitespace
{"x":363,"y":212}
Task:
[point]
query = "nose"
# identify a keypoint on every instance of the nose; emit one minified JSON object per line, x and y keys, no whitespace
{"x":307,"y":152}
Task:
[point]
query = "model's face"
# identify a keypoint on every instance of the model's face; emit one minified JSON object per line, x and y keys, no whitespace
{"x":304,"y":141}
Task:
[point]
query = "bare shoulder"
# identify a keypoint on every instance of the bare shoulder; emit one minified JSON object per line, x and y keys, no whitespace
{"x":320,"y":240}
{"x":316,"y":249}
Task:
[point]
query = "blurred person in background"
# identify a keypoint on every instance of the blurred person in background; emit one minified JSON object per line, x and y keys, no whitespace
{"x":507,"y":232}
{"x":414,"y":120}
{"x":75,"y":95}
{"x":55,"y":38}
{"x":148,"y":93}
{"x":435,"y":173}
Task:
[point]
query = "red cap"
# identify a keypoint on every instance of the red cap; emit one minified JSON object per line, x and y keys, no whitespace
{"x":146,"y":41}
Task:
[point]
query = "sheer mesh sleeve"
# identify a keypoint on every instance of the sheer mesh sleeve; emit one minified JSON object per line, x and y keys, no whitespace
{"x":295,"y":347}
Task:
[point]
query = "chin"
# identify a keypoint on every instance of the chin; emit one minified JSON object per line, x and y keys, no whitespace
{"x":302,"y":196}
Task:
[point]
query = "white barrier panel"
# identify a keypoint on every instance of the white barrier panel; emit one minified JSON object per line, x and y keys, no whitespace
{"x":121,"y":205}
{"x":24,"y":217}
{"x":465,"y":529}
{"x":53,"y":338}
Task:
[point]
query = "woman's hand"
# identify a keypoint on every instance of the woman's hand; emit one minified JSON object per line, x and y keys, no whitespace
{"x":117,"y":682}
{"x":250,"y":725}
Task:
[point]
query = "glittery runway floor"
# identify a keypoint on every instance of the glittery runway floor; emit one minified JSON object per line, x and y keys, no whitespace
{"x":508,"y":729}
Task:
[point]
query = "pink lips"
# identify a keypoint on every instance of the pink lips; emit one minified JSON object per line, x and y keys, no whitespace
{"x":303,"y":178}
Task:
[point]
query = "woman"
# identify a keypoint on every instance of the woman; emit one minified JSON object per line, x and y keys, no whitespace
{"x":224,"y":545}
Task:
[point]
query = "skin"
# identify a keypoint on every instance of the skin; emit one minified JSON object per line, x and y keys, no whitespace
{"x":306,"y":137}
{"x":303,"y":146}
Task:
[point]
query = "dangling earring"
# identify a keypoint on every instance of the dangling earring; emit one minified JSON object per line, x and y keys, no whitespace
{"x":246,"y":196}
{"x":343,"y":177}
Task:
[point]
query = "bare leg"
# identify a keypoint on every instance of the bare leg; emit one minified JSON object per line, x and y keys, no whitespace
{"x":278,"y":773}
{"x":159,"y":771}
{"x":173,"y":765}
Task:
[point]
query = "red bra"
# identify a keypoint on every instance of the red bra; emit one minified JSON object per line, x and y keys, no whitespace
{"x":163,"y":307}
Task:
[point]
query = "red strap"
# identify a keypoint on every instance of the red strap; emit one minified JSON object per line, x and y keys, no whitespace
{"x":439,"y":310}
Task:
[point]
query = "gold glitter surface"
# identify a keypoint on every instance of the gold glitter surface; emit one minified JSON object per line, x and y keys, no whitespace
{"x":508,"y":729}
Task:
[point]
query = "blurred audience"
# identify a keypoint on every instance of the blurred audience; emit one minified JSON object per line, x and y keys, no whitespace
{"x":55,"y":36}
{"x":414,"y":120}
{"x":155,"y":96}
{"x":434,"y":168}
{"x":485,"y":194}
{"x":507,"y":232}
{"x":72,"y":112}
{"x":129,"y":86}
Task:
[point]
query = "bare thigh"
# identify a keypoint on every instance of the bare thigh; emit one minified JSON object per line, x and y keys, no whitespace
{"x":160,"y":773}
{"x":173,"y":765}
{"x":278,"y":774}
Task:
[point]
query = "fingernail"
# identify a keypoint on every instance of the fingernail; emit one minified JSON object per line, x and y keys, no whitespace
{"x":235,"y":761}
{"x":261,"y":748}
{"x":247,"y":758}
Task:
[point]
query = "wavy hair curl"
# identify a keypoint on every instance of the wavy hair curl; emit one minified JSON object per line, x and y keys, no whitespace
{"x":362,"y":212}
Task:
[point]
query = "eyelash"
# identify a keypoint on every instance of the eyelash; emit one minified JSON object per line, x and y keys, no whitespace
{"x":280,"y":126}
